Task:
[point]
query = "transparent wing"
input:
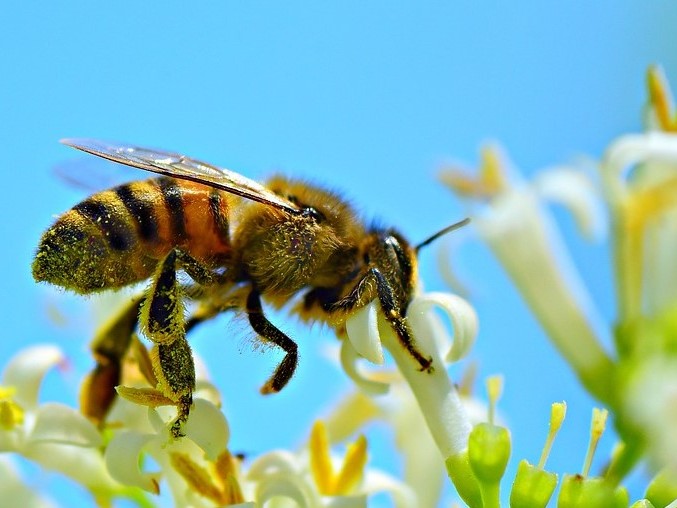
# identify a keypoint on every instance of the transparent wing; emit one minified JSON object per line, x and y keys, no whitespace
{"x":179,"y":166}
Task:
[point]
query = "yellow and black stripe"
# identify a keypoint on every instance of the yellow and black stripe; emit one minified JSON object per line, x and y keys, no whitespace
{"x":116,"y":237}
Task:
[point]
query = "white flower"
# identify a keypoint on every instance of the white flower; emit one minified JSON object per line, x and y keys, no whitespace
{"x":53,"y":435}
{"x":512,"y":219}
{"x":437,"y":397}
{"x":315,"y":477}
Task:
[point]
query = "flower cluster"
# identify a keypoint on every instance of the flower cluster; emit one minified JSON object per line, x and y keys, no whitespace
{"x":438,"y":427}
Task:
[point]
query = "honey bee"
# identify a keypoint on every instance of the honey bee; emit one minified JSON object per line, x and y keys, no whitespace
{"x":239,"y":242}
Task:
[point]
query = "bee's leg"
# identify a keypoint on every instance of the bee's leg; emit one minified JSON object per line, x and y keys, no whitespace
{"x":270,"y":333}
{"x":197,"y":271}
{"x":108,"y":348}
{"x":162,"y":321}
{"x":392,"y":310}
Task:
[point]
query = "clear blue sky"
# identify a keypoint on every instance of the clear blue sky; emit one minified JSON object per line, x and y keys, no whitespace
{"x":368,"y":97}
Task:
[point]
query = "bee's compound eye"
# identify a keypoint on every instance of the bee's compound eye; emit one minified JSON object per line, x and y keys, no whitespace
{"x":313,"y":213}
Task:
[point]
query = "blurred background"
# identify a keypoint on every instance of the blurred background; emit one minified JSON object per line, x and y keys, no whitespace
{"x":369,"y":98}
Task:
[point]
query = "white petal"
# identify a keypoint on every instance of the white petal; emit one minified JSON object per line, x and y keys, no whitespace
{"x":273,"y":462}
{"x":122,"y":460}
{"x":16,"y":494}
{"x":438,"y":399}
{"x":58,"y":423}
{"x":401,"y":494}
{"x":84,"y":465}
{"x":357,"y":501}
{"x":349,"y":359}
{"x":630,"y":150}
{"x":280,"y":485}
{"x":362,"y":330}
{"x":574,"y":189}
{"x":460,"y":312}
{"x":26,"y":370}
{"x":208,"y":428}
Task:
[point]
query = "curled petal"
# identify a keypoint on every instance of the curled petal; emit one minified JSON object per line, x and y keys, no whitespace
{"x":122,"y":458}
{"x":574,"y":190}
{"x":459,"y":311}
{"x":357,"y":501}
{"x":271,"y":463}
{"x":26,"y":370}
{"x":208,"y":428}
{"x":362,"y":330}
{"x":57,"y":423}
{"x":401,"y":494}
{"x":281,"y":485}
{"x":633,"y":149}
{"x":349,"y":358}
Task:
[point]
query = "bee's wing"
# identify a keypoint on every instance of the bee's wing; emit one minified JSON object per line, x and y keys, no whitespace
{"x":179,"y":166}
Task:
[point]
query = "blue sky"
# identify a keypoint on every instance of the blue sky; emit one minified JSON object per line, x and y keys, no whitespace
{"x":366,"y":97}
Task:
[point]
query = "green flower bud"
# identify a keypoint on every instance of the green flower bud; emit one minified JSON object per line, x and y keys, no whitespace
{"x":580,"y":492}
{"x":460,"y":473}
{"x":533,"y":487}
{"x":489,"y":451}
{"x":663,"y":488}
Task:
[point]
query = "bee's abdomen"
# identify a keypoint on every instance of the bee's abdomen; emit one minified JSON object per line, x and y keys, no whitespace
{"x":116,"y":237}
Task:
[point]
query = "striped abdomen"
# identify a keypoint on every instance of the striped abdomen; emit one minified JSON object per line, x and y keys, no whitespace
{"x":116,"y":237}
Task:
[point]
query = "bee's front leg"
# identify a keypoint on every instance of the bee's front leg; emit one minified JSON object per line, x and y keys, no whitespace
{"x":162,"y":321}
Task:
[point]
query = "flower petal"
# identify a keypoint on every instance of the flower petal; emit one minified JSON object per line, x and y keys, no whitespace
{"x":362,"y":330}
{"x":574,"y":189}
{"x":631,"y":149}
{"x":84,"y":465}
{"x":462,"y":316}
{"x":349,"y":358}
{"x":58,"y":423}
{"x":208,"y":428}
{"x":438,"y":399}
{"x":26,"y":370}
{"x":122,"y":458}
{"x":14,"y":491}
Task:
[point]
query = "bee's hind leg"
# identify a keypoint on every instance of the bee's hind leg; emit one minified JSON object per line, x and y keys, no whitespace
{"x":268,"y":332}
{"x":108,"y":348}
{"x":162,"y":321}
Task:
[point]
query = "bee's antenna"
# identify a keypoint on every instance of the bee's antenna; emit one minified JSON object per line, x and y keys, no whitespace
{"x":444,"y":231}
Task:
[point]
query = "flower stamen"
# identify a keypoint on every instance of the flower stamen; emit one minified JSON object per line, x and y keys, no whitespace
{"x":330,"y":483}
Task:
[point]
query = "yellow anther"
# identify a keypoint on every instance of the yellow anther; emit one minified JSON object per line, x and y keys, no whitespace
{"x":353,"y":467}
{"x":492,"y":173}
{"x":320,"y":460}
{"x":11,"y":414}
{"x":660,"y":99}
{"x":489,"y":182}
{"x":7,"y":392}
{"x":494,"y":390}
{"x":198,"y":478}
{"x":557,"y":413}
{"x":328,"y":482}
{"x":597,"y":427}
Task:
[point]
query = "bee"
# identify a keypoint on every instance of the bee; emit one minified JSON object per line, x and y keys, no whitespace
{"x":239,"y":242}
